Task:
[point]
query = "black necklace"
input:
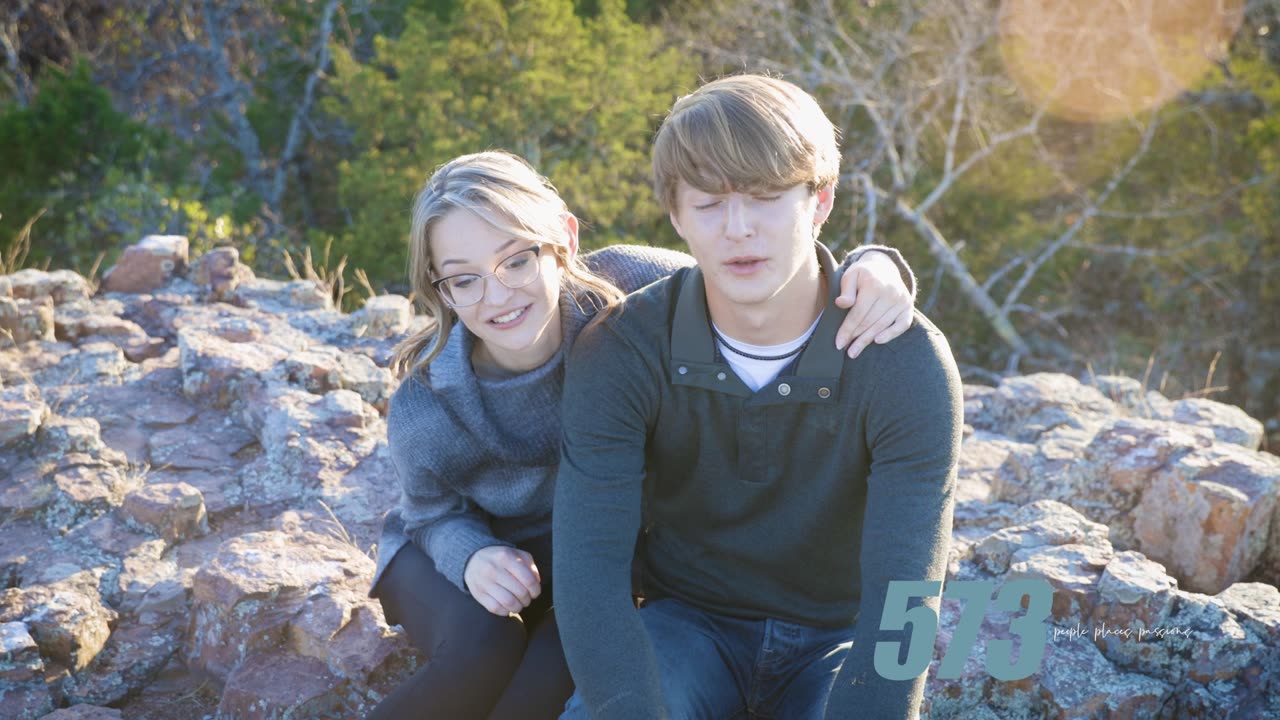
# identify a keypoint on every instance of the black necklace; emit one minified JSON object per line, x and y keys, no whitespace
{"x":763,"y":358}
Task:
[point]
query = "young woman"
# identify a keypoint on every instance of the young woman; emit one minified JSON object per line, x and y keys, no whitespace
{"x":464,"y":561}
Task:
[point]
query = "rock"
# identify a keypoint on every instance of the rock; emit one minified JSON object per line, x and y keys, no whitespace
{"x":1048,"y":469}
{"x":134,"y":654}
{"x":279,"y":685}
{"x":220,"y":272}
{"x":1076,"y":681}
{"x":59,"y":286}
{"x":1229,"y":423}
{"x":382,"y":316}
{"x":1133,"y":593}
{"x":199,"y":446}
{"x":20,"y":662}
{"x":272,"y":592}
{"x":22,"y":409}
{"x":60,"y":436}
{"x":1123,"y":391}
{"x":175,"y":511}
{"x":219,"y":372}
{"x":320,"y":371}
{"x":275,"y":296}
{"x":1072,"y":570}
{"x":102,"y":362}
{"x":148,"y":265}
{"x":1039,"y":524}
{"x":25,"y":320}
{"x":67,"y":620}
{"x":1024,"y":408}
{"x":84,"y":712}
{"x":25,"y":702}
{"x":981,"y":456}
{"x":1256,"y":606}
{"x":976,"y":411}
{"x":1207,"y":515}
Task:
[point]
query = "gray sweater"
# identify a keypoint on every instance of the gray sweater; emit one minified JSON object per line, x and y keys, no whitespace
{"x":476,"y":457}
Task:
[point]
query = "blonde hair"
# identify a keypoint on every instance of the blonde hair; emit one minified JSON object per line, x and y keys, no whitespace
{"x":505,"y":191}
{"x":744,"y":133}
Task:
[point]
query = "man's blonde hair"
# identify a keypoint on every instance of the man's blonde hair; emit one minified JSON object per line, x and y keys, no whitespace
{"x":744,"y":133}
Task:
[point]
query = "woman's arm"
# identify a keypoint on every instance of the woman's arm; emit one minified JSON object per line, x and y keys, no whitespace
{"x":878,"y":286}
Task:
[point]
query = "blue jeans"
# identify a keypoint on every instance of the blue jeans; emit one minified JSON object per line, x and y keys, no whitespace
{"x":714,"y":667}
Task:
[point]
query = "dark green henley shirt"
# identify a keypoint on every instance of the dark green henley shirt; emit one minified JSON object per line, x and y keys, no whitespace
{"x":800,"y":501}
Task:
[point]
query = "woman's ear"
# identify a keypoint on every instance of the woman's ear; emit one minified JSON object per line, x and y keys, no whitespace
{"x":571,"y":232}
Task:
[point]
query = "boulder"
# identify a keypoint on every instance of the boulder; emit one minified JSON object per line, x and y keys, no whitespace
{"x":25,"y":320}
{"x":174,"y":511}
{"x":148,"y":265}
{"x":1207,"y":515}
{"x":219,"y":272}
{"x":383,"y":316}
{"x":301,"y":599}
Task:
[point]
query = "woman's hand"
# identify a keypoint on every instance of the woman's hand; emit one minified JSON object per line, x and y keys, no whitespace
{"x":879,"y":301}
{"x":502,"y":579}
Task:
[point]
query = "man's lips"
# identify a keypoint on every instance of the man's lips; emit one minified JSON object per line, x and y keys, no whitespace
{"x":745,"y":264}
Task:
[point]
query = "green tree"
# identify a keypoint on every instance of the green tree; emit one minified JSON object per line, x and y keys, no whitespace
{"x":578,"y":97}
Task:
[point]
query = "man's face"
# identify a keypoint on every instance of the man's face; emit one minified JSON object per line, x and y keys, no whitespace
{"x":750,"y":246}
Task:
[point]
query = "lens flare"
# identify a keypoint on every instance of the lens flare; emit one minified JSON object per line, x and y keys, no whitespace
{"x":1099,"y":60}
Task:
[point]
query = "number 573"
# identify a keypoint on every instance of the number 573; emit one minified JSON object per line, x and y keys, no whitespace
{"x":975,"y":594}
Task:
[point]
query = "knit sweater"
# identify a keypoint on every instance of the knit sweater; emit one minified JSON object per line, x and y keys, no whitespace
{"x":477,"y":457}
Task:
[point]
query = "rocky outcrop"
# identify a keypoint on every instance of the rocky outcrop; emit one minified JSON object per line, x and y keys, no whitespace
{"x":193,"y":468}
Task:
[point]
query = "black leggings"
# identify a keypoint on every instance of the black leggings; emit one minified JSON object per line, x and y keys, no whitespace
{"x":479,"y":665}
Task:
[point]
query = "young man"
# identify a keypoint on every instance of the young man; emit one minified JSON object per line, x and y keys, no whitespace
{"x":781,"y":486}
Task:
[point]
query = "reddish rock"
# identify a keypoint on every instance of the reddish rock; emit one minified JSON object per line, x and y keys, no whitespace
{"x":147,"y":265}
{"x":175,"y":511}
{"x":1207,"y":516}
{"x":220,"y":272}
{"x":279,"y":685}
{"x":218,"y":372}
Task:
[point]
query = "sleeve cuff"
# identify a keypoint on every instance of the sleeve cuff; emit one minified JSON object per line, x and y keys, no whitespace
{"x":908,"y":277}
{"x":451,"y":543}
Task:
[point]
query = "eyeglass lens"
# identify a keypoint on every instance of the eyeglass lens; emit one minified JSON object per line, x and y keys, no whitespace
{"x":515,"y":272}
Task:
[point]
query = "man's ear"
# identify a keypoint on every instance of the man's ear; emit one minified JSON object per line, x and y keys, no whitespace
{"x":826,"y":202}
{"x":571,"y":232}
{"x":675,"y":223}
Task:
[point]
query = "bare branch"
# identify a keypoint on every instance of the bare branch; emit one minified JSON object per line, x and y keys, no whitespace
{"x":295,"y":127}
{"x":1084,"y":217}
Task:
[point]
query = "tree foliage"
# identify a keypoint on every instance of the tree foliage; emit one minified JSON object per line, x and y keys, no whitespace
{"x":578,"y":97}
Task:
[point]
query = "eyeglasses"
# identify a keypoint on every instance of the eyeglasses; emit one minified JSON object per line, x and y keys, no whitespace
{"x":515,"y":271}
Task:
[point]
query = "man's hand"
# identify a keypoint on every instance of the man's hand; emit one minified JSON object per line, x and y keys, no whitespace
{"x":502,"y":579}
{"x":880,"y":304}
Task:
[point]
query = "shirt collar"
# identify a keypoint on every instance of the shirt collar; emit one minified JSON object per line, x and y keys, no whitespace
{"x":692,"y":341}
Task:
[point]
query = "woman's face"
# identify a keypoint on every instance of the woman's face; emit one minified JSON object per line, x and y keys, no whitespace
{"x":516,"y":329}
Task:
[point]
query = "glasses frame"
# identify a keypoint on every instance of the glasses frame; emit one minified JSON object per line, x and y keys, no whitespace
{"x":447,"y":296}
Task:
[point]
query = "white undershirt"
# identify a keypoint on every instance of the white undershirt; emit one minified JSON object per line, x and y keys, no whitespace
{"x":758,"y":373}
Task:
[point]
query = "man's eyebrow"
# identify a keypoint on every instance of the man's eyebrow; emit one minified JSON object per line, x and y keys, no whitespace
{"x":455,"y":261}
